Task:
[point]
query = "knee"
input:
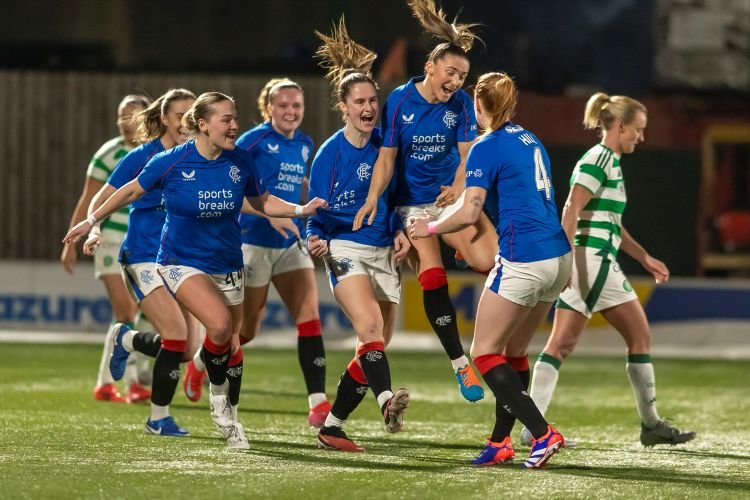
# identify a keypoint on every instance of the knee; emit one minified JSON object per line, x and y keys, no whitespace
{"x":370,"y":330}
{"x":219,"y":328}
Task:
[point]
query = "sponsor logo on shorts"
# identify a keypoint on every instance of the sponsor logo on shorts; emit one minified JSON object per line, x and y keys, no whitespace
{"x":147,"y":277}
{"x":626,"y":286}
{"x":108,"y":260}
{"x":175,"y":274}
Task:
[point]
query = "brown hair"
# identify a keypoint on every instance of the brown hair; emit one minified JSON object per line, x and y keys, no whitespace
{"x":347,"y":63}
{"x":269,"y":90}
{"x":498,"y":95}
{"x":458,"y":38}
{"x":202,"y":108}
{"x":602,"y":110}
{"x":149,"y":121}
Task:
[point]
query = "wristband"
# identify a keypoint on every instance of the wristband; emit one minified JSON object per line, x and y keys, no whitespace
{"x":95,"y":231}
{"x":92,"y":220}
{"x":432,"y":227}
{"x":298,"y":210}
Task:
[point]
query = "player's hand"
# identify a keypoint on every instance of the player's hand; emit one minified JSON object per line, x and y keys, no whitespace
{"x":77,"y":232}
{"x":401,"y":245}
{"x":313,"y":205}
{"x":69,"y":257}
{"x":93,"y":241}
{"x":418,"y":227}
{"x":657,"y":268}
{"x":284,"y":226}
{"x":369,"y":208}
{"x":316,"y":246}
{"x":447,"y":196}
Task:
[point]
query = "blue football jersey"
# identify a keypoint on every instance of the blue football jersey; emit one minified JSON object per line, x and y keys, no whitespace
{"x":513,"y":166}
{"x":147,"y":214}
{"x":427,"y":137}
{"x":282,"y":165}
{"x":203,"y":199}
{"x":341,"y":175}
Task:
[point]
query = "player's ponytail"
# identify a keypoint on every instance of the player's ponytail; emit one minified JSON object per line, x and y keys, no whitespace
{"x":603,"y":110}
{"x":345,"y":61}
{"x":149,"y":123}
{"x":458,"y":39}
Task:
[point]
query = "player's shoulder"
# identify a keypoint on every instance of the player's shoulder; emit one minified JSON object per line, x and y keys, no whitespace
{"x":110,"y":147}
{"x":599,"y":156}
{"x":253,"y":137}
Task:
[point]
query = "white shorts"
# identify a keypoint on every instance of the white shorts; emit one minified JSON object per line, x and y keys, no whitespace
{"x":406,"y":213}
{"x":107,"y":254}
{"x":229,"y":285}
{"x":527,"y":283}
{"x":141,"y":279}
{"x":262,"y":263}
{"x":597,"y":283}
{"x":347,"y":258}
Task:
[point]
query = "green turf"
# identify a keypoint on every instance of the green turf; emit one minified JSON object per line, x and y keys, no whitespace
{"x":57,"y":442}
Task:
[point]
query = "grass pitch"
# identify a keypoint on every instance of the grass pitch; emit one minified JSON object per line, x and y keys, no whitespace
{"x":57,"y":442}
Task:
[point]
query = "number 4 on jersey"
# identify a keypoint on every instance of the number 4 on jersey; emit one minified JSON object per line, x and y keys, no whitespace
{"x":542,"y":179}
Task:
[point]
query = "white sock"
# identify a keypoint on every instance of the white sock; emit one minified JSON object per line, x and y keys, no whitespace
{"x":127,"y":340}
{"x":383,"y":397}
{"x":159,"y":412}
{"x":235,"y":413}
{"x":316,"y":398}
{"x":131,"y":371}
{"x":543,"y":384}
{"x":332,"y":421}
{"x":104,"y":377}
{"x":643,"y":382}
{"x":459,"y":363}
{"x":198,"y":362}
{"x":220,"y":390}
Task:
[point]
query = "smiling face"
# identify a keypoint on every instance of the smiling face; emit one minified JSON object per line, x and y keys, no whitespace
{"x":445,"y":76}
{"x":125,"y":123}
{"x":221,"y":126}
{"x":632,"y":134}
{"x":176,"y":133}
{"x":361,"y":107}
{"x":286,"y":109}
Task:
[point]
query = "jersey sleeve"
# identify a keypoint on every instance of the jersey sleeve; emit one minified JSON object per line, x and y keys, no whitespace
{"x":154,"y":172}
{"x":480,"y":166}
{"x":467,"y":121}
{"x":320,"y":181}
{"x":589,"y":173}
{"x":125,"y":171}
{"x":389,"y":132}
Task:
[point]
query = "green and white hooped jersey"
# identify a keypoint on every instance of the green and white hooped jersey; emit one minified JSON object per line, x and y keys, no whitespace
{"x":101,"y":166}
{"x":600,"y":222}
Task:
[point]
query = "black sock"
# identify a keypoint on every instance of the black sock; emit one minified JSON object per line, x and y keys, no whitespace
{"x":166,"y":376}
{"x":147,"y":343}
{"x":504,"y":421}
{"x":234,"y":375}
{"x":216,"y":365}
{"x":349,"y":395}
{"x":312,"y":360}
{"x":442,"y":316}
{"x":507,"y":387}
{"x":377,"y":372}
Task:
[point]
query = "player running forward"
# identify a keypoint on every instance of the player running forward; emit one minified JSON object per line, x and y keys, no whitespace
{"x":428,"y":126}
{"x":204,"y":183}
{"x":592,"y":218}
{"x":112,"y":234}
{"x":531,"y":268}
{"x":159,"y":128}
{"x":362,"y":265}
{"x":272,"y":248}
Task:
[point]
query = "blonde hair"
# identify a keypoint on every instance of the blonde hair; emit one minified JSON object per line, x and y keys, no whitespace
{"x":148,"y":122}
{"x":202,"y":108}
{"x":602,"y":110}
{"x":458,"y":38}
{"x":137,"y":100}
{"x":498,"y":95}
{"x":270,"y":89}
{"x":347,"y":63}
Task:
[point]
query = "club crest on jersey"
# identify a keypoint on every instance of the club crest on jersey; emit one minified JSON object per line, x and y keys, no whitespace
{"x":188,"y":176}
{"x":234,"y":174}
{"x":305,"y":153}
{"x":363,"y":171}
{"x":273,"y":148}
{"x":408,"y":119}
{"x":449,"y":118}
